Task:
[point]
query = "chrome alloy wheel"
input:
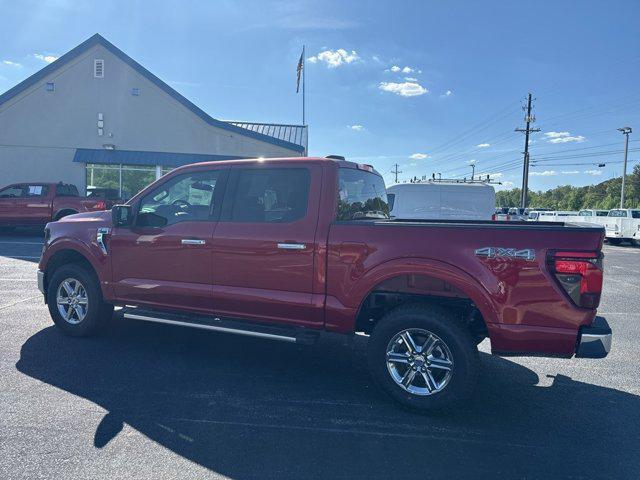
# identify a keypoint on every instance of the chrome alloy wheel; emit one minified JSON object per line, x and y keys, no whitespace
{"x":72,"y":301}
{"x":419,"y":361}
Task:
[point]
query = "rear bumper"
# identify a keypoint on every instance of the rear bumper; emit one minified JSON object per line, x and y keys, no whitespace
{"x":594,"y":341}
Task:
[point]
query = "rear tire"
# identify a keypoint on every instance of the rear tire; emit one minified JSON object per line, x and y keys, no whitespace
{"x":614,"y":241}
{"x":440,"y":342}
{"x":75,"y":301}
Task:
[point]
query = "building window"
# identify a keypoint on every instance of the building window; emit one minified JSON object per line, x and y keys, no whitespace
{"x":50,"y":87}
{"x":127,"y":179}
{"x":135,"y":92}
{"x":98,"y":68}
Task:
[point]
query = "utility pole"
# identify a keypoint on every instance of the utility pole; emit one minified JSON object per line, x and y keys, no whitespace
{"x":396,"y":171}
{"x":529,"y":119}
{"x":473,"y":171}
{"x":625,"y":131}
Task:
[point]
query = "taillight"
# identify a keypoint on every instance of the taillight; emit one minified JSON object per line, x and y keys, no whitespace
{"x":100,"y":205}
{"x":494,"y":217}
{"x":579,"y":274}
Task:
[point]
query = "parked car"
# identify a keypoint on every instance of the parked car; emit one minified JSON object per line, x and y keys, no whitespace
{"x":439,"y":200}
{"x":284,"y":249}
{"x":35,"y":204}
{"x":623,"y":224}
{"x":111,"y":196}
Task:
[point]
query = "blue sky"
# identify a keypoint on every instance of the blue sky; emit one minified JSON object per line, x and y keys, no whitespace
{"x":430,"y":85}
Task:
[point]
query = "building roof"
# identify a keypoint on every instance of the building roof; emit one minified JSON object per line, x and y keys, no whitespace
{"x":236,"y":127}
{"x":134,"y":157}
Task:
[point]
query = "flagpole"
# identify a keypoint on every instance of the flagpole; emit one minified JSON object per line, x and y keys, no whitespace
{"x":304,"y":68}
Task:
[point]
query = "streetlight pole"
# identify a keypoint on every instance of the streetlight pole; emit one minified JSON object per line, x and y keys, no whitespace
{"x":625,"y":131}
{"x":473,"y":171}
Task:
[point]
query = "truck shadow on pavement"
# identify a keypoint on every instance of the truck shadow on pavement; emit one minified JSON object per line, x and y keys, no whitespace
{"x":249,"y":408}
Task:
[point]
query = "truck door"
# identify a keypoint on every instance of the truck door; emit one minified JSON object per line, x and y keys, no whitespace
{"x":164,"y":259}
{"x":34,"y":205}
{"x":8,"y":197}
{"x":265,"y":243}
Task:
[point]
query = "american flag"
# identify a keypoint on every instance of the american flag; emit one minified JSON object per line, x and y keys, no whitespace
{"x":299,"y":69}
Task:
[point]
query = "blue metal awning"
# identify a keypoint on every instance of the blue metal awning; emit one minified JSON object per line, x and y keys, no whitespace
{"x":132,"y":157}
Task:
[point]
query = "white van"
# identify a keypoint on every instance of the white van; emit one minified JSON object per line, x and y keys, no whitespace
{"x":442,"y":200}
{"x":623,"y":224}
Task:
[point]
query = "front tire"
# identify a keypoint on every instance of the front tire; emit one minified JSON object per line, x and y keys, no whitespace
{"x":75,"y":301}
{"x":423,"y":357}
{"x":614,"y":241}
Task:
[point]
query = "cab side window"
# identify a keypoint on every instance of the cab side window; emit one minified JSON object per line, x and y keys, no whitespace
{"x":36,"y":190}
{"x":278,"y":195}
{"x":13,"y":191}
{"x":185,"y":198}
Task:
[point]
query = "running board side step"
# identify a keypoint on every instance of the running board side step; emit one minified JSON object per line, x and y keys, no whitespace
{"x":298,"y":335}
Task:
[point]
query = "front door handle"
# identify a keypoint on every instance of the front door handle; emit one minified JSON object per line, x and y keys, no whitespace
{"x":192,"y":241}
{"x":292,"y":246}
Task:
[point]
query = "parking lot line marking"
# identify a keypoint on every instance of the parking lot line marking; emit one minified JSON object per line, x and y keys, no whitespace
{"x":357,"y":432}
{"x":17,"y":302}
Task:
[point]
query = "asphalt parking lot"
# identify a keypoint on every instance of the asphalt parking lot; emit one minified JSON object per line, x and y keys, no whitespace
{"x":154,"y":401}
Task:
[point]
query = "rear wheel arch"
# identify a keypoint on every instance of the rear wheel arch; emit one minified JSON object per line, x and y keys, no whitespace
{"x":444,"y":287}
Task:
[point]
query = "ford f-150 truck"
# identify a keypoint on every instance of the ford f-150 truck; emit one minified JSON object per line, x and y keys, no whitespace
{"x":31,"y":204}
{"x":286,"y":248}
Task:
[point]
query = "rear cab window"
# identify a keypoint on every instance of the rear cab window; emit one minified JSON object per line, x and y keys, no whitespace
{"x":66,"y":190}
{"x":361,"y":195}
{"x":269,"y":195}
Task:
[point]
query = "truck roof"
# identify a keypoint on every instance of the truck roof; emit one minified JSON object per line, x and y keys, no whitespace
{"x":260,"y":160}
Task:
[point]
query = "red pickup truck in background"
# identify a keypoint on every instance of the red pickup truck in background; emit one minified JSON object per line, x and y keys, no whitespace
{"x":286,"y":248}
{"x":36,"y":204}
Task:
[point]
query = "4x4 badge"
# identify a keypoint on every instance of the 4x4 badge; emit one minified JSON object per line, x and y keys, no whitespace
{"x":498,"y":252}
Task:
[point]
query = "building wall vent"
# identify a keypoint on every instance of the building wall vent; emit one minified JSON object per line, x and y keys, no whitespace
{"x":98,"y":68}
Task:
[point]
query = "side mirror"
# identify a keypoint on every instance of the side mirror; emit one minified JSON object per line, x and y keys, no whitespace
{"x":122,"y":215}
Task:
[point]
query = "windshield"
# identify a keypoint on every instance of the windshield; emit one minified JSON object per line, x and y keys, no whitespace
{"x":361,"y":195}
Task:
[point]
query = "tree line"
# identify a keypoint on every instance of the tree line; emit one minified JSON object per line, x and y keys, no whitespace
{"x":605,"y":195}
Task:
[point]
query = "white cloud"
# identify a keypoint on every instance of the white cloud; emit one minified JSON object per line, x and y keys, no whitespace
{"x":335,"y":58}
{"x":593,"y":172}
{"x":395,"y":68}
{"x":472,"y":161}
{"x":419,"y":156}
{"x":483,"y":145}
{"x":570,"y":172}
{"x":405,"y":89}
{"x":45,"y":58}
{"x":411,"y":79}
{"x":448,"y":93}
{"x":563,"y":137}
{"x":546,"y":173}
{"x":357,"y":128}
{"x":507,"y":184}
{"x":407,"y":70}
{"x":11,"y":64}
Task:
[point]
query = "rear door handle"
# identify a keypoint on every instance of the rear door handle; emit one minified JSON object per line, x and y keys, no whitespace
{"x":292,"y":246}
{"x":192,"y":241}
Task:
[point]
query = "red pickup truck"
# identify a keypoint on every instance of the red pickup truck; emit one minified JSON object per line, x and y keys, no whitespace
{"x":286,"y":248}
{"x":31,"y":204}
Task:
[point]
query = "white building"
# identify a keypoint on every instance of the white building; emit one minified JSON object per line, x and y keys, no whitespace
{"x":96,"y":116}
